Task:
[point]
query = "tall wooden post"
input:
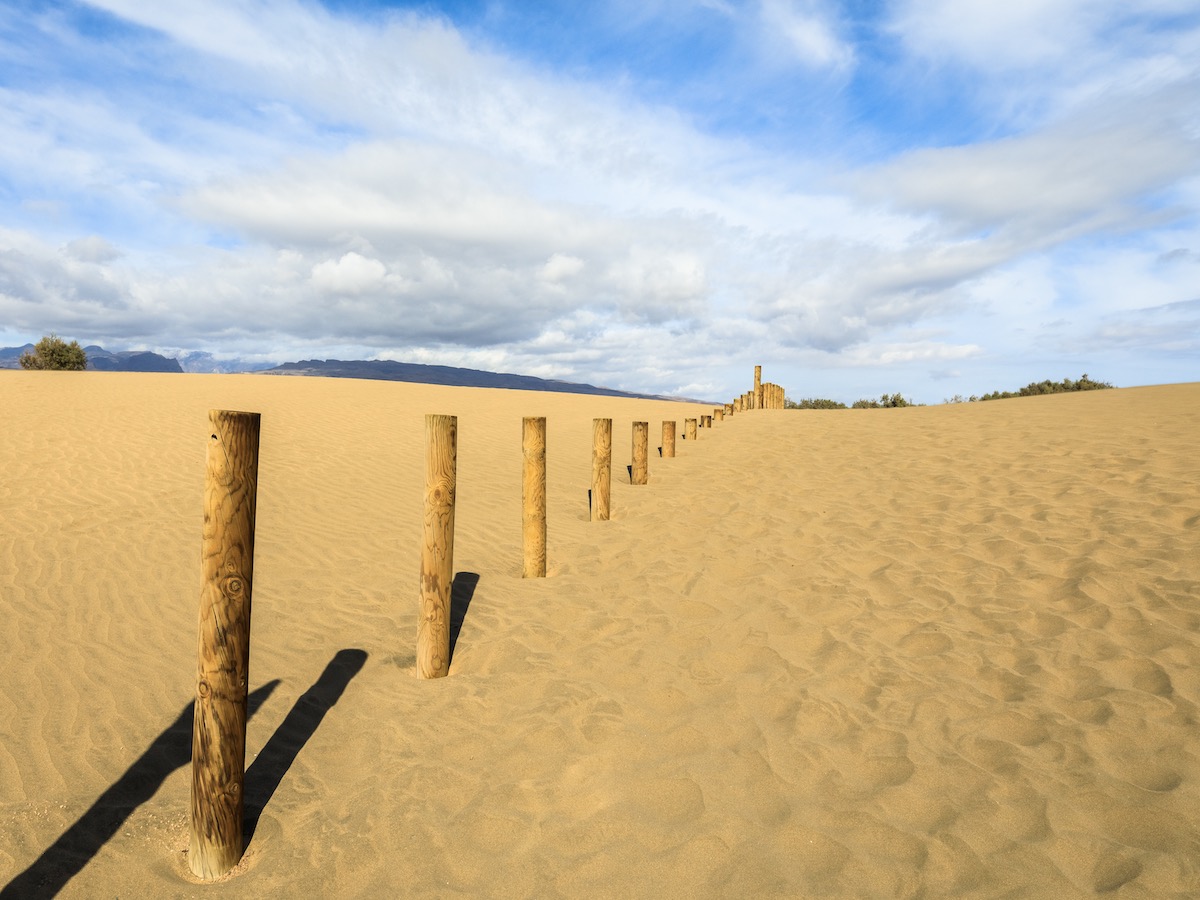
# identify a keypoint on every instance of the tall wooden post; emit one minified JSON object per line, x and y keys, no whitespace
{"x":533,"y":447}
{"x":223,"y":651}
{"x":689,"y":429}
{"x":437,"y":546}
{"x":758,"y":388}
{"x":668,"y":439}
{"x":601,"y":468}
{"x":640,"y":473}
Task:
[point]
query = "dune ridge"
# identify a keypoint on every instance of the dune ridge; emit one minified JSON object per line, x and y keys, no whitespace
{"x":943,"y":651}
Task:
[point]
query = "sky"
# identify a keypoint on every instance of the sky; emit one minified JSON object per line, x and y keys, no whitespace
{"x":930,"y":197}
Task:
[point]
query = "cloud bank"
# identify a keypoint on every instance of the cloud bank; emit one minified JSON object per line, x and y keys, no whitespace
{"x":931,"y":198}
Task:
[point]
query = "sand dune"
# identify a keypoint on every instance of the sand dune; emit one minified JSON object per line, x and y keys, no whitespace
{"x":943,"y":652}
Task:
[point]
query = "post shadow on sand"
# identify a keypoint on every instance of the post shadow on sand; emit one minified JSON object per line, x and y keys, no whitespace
{"x":462,"y":589}
{"x":63,"y":859}
{"x":173,"y":749}
{"x":265,"y":773}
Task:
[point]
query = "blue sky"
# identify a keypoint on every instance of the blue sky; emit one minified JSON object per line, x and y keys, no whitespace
{"x":935,"y":197}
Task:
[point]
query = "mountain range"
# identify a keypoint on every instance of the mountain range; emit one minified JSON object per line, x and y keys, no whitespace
{"x":376,"y":369}
{"x":103,"y":360}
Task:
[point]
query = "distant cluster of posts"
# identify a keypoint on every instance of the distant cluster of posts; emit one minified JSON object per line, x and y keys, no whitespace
{"x":227,"y":552}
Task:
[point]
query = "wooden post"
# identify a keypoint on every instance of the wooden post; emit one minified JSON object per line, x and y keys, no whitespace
{"x":437,"y":546}
{"x":223,"y":650}
{"x":640,"y":472}
{"x":601,"y":468}
{"x":729,"y":409}
{"x":689,"y":429}
{"x":719,"y":414}
{"x":668,"y":439}
{"x":533,"y":446}
{"x":708,"y":421}
{"x":758,"y":388}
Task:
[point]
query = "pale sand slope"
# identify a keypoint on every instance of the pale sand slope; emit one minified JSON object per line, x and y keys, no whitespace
{"x":946,"y":651}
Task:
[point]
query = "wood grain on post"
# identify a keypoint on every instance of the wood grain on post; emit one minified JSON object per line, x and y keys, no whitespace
{"x":640,"y":473}
{"x":689,"y":429}
{"x":533,"y":448}
{"x":601,"y":469}
{"x":437,"y":546}
{"x":708,"y":421}
{"x":223,"y":649}
{"x":719,"y":414}
{"x":668,"y":439}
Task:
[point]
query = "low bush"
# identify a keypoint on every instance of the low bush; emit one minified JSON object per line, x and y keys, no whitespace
{"x":52,"y":352}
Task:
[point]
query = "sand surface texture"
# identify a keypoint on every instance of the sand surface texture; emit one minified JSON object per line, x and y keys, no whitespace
{"x":943,"y":652}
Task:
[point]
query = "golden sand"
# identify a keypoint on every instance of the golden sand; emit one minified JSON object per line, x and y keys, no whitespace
{"x":945,"y":652}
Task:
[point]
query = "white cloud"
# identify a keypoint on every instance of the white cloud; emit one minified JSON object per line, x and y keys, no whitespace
{"x":92,"y":249}
{"x":1102,"y":170}
{"x":561,"y":267}
{"x":891,"y":354}
{"x":807,"y":31}
{"x":352,"y":274}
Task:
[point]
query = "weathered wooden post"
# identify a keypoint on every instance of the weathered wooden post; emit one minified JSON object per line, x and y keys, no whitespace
{"x":758,"y":388}
{"x":668,"y":439}
{"x":533,"y":446}
{"x":729,"y":409}
{"x":689,"y":429}
{"x":601,"y":468}
{"x":223,"y":654}
{"x":640,"y":471}
{"x":437,"y":546}
{"x":708,"y":421}
{"x":719,"y":413}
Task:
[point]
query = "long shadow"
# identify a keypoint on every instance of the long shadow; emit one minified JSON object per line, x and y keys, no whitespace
{"x":462,"y":590}
{"x":276,"y":757}
{"x":80,"y":843}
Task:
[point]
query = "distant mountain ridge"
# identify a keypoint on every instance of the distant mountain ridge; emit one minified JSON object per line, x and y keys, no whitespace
{"x":390,"y":370}
{"x":375,"y":369}
{"x":102,"y":360}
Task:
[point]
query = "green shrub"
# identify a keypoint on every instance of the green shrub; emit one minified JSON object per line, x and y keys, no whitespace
{"x":1037,"y":388}
{"x":886,"y":401}
{"x":52,"y":352}
{"x":813,"y":403}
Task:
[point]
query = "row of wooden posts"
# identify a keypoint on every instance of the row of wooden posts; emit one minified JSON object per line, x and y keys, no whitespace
{"x":227,"y":553}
